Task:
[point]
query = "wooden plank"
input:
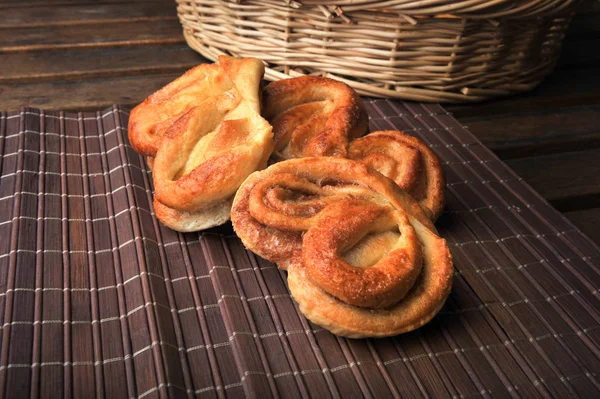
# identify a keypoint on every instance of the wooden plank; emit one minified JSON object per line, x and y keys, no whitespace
{"x":86,"y":63}
{"x":40,"y":3}
{"x":569,"y":180}
{"x":563,"y":88}
{"x":512,"y":136}
{"x":92,"y":35}
{"x":91,"y":94}
{"x":48,"y":15}
{"x":588,"y":221}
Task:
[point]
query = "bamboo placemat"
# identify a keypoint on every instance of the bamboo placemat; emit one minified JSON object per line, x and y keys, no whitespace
{"x":98,"y":298}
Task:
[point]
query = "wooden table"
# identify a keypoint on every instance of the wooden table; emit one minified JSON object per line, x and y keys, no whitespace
{"x":86,"y":55}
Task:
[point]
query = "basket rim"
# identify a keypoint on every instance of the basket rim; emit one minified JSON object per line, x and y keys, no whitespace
{"x":415,"y":9}
{"x":446,"y":59}
{"x":409,"y":93}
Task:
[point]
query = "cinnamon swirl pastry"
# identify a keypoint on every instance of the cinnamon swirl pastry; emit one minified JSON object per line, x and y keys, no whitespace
{"x":406,"y":160}
{"x":203,"y":135}
{"x":363,"y":258}
{"x":313,"y":116}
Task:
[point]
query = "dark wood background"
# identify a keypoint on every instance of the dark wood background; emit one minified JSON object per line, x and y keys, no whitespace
{"x":88,"y":54}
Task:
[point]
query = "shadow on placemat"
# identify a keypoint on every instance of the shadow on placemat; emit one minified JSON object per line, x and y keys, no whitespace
{"x":98,"y":298}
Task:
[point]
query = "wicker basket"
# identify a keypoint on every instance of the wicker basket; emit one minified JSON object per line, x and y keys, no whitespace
{"x":424,"y":50}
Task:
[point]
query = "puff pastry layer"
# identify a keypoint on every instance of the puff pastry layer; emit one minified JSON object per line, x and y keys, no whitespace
{"x":313,"y":116}
{"x":203,"y":135}
{"x":363,"y":258}
{"x":408,"y":161}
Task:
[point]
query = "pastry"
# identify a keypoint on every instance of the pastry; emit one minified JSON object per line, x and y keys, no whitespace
{"x":203,"y":135}
{"x":313,"y":116}
{"x":363,"y":257}
{"x":407,"y":161}
{"x":205,"y":83}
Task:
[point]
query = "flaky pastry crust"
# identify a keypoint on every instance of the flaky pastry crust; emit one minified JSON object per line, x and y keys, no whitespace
{"x":313,"y":116}
{"x":406,"y":160}
{"x":363,"y":257}
{"x":202,"y":135}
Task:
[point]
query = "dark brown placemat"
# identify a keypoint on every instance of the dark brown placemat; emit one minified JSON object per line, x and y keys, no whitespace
{"x":98,"y":298}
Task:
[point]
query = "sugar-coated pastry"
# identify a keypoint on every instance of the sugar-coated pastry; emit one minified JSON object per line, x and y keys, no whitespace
{"x":203,"y":135}
{"x":363,"y":257}
{"x":406,"y":160}
{"x":313,"y":116}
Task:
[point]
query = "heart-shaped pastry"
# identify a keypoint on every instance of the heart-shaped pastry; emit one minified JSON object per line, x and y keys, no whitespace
{"x":363,"y":257}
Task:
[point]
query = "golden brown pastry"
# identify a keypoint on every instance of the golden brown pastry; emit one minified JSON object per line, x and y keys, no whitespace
{"x":149,"y":121}
{"x":363,"y":258}
{"x":203,"y":135}
{"x":406,"y":160}
{"x":313,"y":116}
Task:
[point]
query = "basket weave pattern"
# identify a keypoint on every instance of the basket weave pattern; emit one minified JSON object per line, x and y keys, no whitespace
{"x":429,"y":50}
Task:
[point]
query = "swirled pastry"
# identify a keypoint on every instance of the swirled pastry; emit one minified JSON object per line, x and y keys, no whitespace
{"x":313,"y":116}
{"x":407,"y":161}
{"x":203,"y":135}
{"x":363,"y":258}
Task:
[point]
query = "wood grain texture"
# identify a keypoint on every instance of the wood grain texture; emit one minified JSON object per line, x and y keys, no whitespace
{"x":88,"y":13}
{"x":83,"y":95}
{"x":529,"y":134}
{"x":91,"y":35}
{"x":27,"y":67}
{"x":564,"y":88}
{"x":39,"y":3}
{"x":569,"y":180}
